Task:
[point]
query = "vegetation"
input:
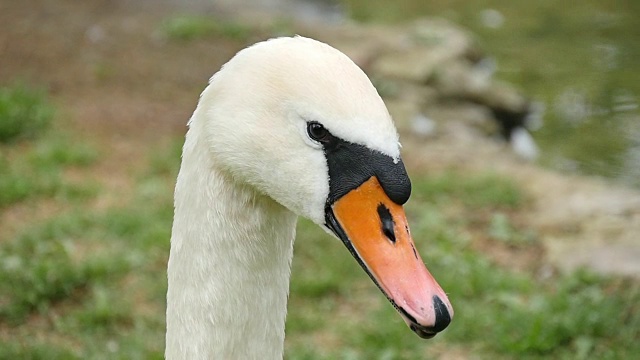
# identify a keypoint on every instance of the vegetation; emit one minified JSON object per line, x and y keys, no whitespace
{"x":193,"y":27}
{"x":24,"y":112}
{"x":37,"y":172}
{"x":88,"y":282}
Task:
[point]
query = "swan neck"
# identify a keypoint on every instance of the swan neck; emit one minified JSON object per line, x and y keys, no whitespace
{"x":229,"y":266}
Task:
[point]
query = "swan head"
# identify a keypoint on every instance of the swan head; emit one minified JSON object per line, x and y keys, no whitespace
{"x":299,"y":122}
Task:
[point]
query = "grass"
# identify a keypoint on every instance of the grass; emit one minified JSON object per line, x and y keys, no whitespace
{"x":89,"y":282}
{"x":39,"y":268}
{"x":191,"y":27}
{"x":34,"y":169}
{"x":24,"y":112}
{"x":37,"y":170}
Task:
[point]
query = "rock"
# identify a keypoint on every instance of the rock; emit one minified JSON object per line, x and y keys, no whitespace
{"x":433,"y":44}
{"x":364,"y":44}
{"x":462,"y":80}
{"x":583,"y":222}
{"x":363,"y":53}
{"x":423,"y":126}
{"x":523,"y":144}
{"x":439,"y":33}
{"x":459,"y":80}
{"x":402,"y":112}
{"x":417,"y":64}
{"x":513,"y":112}
{"x":602,"y":242}
{"x":474,"y":116}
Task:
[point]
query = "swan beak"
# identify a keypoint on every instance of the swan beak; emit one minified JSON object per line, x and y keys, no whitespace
{"x":375,"y":230}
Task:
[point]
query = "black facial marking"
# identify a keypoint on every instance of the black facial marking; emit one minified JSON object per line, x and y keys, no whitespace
{"x":350,"y":165}
{"x":387,"y":223}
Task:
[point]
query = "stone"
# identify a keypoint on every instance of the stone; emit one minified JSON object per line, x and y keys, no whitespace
{"x":433,"y":43}
{"x":416,"y":65}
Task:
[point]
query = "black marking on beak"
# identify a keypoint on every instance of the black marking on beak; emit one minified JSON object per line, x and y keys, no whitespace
{"x":350,"y":165}
{"x":387,"y":223}
{"x":415,"y":253}
{"x":443,"y":318}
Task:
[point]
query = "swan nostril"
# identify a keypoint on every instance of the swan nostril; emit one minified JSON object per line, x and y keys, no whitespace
{"x":387,"y":222}
{"x":443,"y":318}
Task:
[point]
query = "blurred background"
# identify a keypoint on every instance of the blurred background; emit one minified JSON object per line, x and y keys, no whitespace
{"x":520,"y":124}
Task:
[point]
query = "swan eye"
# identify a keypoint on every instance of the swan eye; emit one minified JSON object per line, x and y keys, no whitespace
{"x":318,"y":132}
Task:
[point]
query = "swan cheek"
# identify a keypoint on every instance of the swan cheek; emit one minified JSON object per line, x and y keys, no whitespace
{"x":376,"y":232}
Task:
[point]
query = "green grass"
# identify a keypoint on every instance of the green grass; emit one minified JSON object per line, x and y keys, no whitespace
{"x":190,"y":27}
{"x":502,"y":229}
{"x":61,"y":151}
{"x":90,"y":283}
{"x":38,"y":173}
{"x":25,"y":112}
{"x":35,"y":170}
{"x":482,"y":191}
{"x":39,"y":268}
{"x":33,"y":350}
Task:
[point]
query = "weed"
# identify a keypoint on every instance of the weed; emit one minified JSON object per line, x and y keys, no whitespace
{"x":485,"y":190}
{"x":104,"y":309}
{"x":38,"y":267}
{"x":501,"y":229}
{"x":194,"y":27}
{"x":61,"y":151}
{"x":28,"y":349}
{"x":16,"y":186}
{"x":38,"y":171}
{"x":281,"y":27}
{"x":24,"y":112}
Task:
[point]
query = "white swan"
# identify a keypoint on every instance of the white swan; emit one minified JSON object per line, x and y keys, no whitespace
{"x":288,"y":127}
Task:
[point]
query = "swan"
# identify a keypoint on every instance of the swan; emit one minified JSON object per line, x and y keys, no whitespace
{"x":288,"y":127}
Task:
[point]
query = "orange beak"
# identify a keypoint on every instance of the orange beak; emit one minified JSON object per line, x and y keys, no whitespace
{"x":376,"y":231}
